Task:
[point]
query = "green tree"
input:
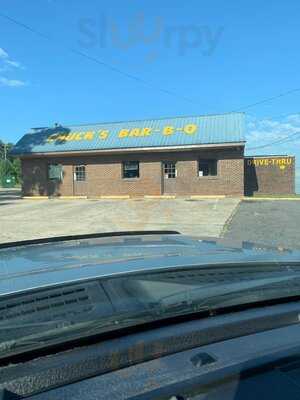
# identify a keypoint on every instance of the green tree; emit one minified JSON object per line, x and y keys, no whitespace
{"x":16,"y":169}
{"x":9,"y":165}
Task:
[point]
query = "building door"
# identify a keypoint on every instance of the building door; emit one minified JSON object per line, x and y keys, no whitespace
{"x":169,"y":174}
{"x":80,"y":180}
{"x":55,"y":178}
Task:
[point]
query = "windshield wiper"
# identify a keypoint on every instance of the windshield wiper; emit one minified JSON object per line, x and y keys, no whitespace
{"x":77,"y":330}
{"x":185,"y":302}
{"x":56,"y":323}
{"x":200,"y":299}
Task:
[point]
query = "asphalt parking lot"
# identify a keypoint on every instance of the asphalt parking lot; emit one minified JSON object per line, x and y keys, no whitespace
{"x":22,"y":219}
{"x":275,"y":223}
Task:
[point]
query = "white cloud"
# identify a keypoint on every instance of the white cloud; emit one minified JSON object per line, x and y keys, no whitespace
{"x":7,"y":64}
{"x":11,"y":82}
{"x":282,"y":134}
{"x":3,"y":54}
{"x":7,"y":61}
{"x":294,"y":118}
{"x":15,"y":64}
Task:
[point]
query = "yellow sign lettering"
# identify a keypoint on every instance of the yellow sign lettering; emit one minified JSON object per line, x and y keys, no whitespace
{"x":190,"y":129}
{"x":103,"y":135}
{"x":168,"y":130}
{"x":266,"y":162}
{"x":52,"y":138}
{"x":135,"y":132}
{"x":123,"y":133}
{"x":89,"y":135}
{"x":69,"y":137}
{"x":78,"y":136}
{"x":146,"y":131}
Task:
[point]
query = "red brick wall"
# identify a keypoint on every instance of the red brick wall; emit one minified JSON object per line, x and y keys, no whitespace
{"x":269,"y":175}
{"x":104,"y":174}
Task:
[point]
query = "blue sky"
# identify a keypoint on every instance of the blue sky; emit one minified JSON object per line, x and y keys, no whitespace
{"x":104,"y":61}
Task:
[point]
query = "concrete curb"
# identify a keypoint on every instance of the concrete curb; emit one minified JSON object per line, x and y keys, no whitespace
{"x":199,"y":197}
{"x":271,"y":198}
{"x":35,"y":197}
{"x":71,"y":197}
{"x":161,"y":197}
{"x":56,"y":198}
{"x":125,"y":197}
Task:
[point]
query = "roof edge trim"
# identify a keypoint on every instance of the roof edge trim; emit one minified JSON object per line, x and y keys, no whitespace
{"x":134,"y":149}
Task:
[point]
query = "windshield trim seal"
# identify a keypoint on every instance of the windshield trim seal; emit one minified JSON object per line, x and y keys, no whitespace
{"x":56,"y":239}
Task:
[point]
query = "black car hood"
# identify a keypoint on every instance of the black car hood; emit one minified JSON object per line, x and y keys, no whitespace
{"x":26,"y":267}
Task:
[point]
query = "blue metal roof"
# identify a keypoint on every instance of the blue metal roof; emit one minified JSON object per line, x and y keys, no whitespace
{"x":166,"y":132}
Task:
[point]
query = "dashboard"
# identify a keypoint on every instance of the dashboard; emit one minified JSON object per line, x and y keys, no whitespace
{"x":244,"y":355}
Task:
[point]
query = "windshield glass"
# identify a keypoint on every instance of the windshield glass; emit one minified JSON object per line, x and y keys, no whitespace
{"x":58,"y":314}
{"x":149,"y":162}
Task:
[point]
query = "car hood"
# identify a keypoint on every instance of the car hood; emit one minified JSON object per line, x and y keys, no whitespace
{"x":26,"y":267}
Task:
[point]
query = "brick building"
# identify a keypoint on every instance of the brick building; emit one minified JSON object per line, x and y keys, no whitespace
{"x":182,"y":156}
{"x":269,"y":174}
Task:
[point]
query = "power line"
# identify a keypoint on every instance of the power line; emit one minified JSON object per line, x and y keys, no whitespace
{"x":285,"y":115}
{"x":267,"y":100}
{"x":276,"y":116}
{"x":134,"y":77}
{"x":287,"y":139}
{"x":96,"y":60}
{"x":284,"y":140}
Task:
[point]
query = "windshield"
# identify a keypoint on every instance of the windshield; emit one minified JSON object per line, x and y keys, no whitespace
{"x":149,"y":163}
{"x":59,"y":314}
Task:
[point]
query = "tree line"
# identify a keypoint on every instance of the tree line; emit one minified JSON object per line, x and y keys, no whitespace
{"x":9,"y":166}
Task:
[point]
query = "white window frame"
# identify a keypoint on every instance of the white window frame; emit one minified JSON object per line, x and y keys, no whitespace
{"x":80,"y":173}
{"x":169,"y":169}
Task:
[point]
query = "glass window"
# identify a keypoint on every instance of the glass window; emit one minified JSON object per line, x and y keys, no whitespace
{"x":208,"y":168}
{"x":131,"y":169}
{"x":170,"y":170}
{"x":55,"y":172}
{"x":80,"y":173}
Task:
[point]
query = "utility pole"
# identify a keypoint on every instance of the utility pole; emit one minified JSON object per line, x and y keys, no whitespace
{"x":5,"y":152}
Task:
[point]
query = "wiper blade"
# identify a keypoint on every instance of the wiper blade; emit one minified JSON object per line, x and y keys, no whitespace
{"x":74,"y":331}
{"x":56,"y":323}
{"x":180,"y":303}
{"x":200,"y":299}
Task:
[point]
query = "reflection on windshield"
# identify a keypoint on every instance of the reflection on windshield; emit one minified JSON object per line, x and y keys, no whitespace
{"x":61,"y":313}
